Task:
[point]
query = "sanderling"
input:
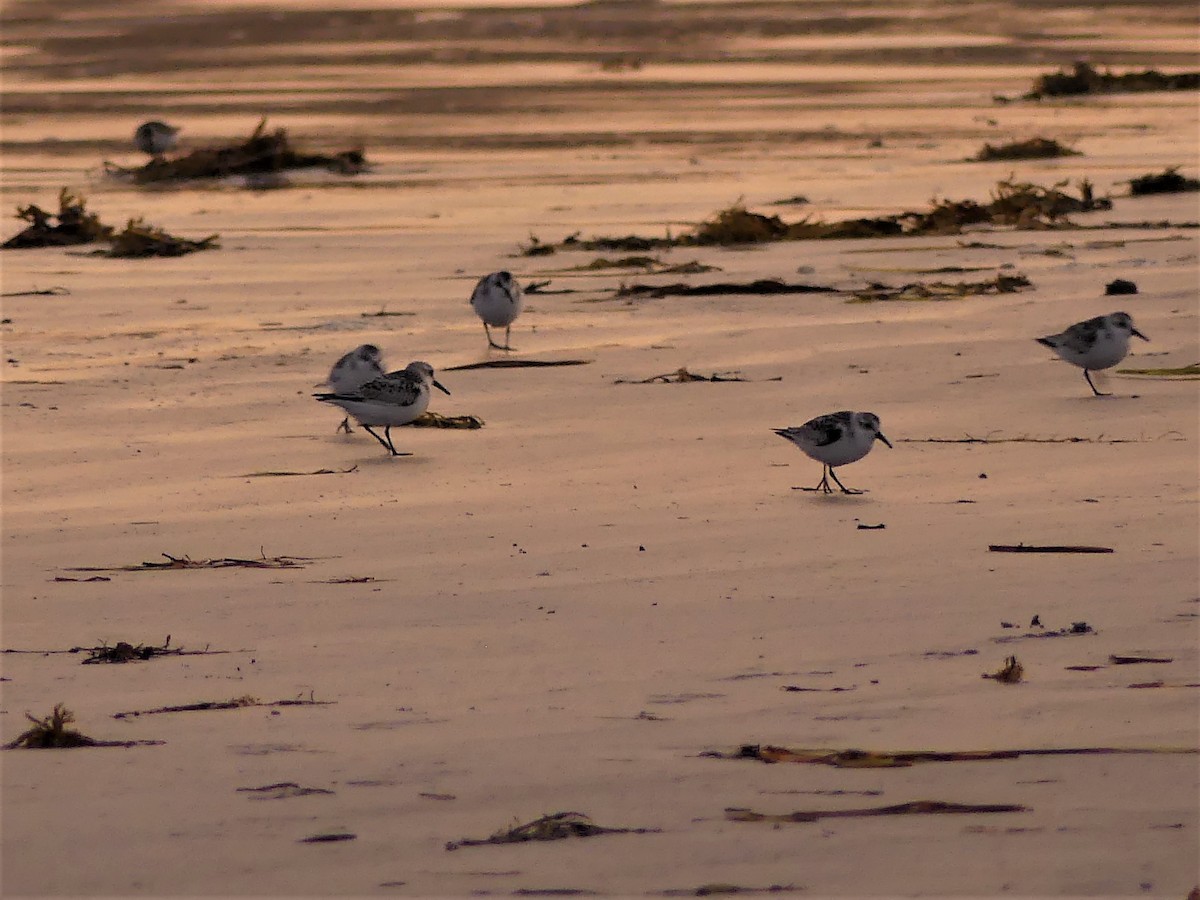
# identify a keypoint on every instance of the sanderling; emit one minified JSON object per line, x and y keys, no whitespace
{"x":1098,"y":343}
{"x":362,"y":364}
{"x":834,"y":440}
{"x":155,"y":138}
{"x":497,"y":301}
{"x":392,"y":399}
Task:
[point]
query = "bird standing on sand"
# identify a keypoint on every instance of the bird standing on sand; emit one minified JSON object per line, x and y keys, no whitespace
{"x":497,"y":300}
{"x":835,"y":440}
{"x":1098,"y":343}
{"x":155,"y":138}
{"x":362,"y":364}
{"x":396,"y":398}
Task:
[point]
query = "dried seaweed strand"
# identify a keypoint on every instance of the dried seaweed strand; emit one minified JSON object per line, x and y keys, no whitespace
{"x":915,"y":807}
{"x":235,"y":703}
{"x":872,"y":759}
{"x":285,"y":474}
{"x":185,"y":562}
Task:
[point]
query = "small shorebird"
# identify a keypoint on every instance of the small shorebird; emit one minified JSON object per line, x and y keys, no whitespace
{"x":155,"y":138}
{"x":1098,"y":343}
{"x":835,"y":440}
{"x":497,"y":301}
{"x":362,"y":364}
{"x":392,"y":399}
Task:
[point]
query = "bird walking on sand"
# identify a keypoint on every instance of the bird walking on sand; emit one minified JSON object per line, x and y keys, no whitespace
{"x":497,"y":300}
{"x":1095,"y":344}
{"x":155,"y":138}
{"x":835,"y":440}
{"x":396,"y":398}
{"x":362,"y":364}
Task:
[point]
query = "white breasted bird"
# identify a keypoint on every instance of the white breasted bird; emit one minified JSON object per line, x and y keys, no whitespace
{"x":835,"y":440}
{"x":497,"y":300}
{"x":362,"y":364}
{"x":393,"y":399}
{"x":1095,"y":344}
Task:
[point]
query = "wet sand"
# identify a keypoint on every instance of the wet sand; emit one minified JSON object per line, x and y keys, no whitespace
{"x":564,"y":609}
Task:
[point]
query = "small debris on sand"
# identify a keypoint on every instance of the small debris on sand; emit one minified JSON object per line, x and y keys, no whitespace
{"x":1010,"y":673}
{"x":1168,"y":181}
{"x":553,"y":827}
{"x":1034,"y":148}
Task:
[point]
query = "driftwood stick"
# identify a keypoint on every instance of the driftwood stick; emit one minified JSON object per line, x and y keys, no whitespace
{"x":1030,"y":548}
{"x":517,"y":364}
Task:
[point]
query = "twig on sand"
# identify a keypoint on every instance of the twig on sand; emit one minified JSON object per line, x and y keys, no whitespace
{"x":286,"y":474}
{"x":235,"y":703}
{"x":553,"y":827}
{"x":1031,"y":548}
{"x":916,"y":807}
{"x":517,"y":364}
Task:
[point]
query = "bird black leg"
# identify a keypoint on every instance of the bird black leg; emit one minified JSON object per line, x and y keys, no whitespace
{"x":387,"y":433}
{"x":823,"y":484}
{"x":845,"y":490}
{"x":1088,"y":376}
{"x":492,"y":343}
{"x":507,"y":339}
{"x":387,"y":445}
{"x":345,"y":426}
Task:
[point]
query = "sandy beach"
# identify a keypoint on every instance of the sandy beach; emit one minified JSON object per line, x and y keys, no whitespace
{"x":593,"y":601}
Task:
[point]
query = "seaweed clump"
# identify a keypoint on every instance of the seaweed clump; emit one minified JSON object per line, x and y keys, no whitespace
{"x":554,"y":827}
{"x":51,"y":732}
{"x":940,"y":290}
{"x":737,"y":225}
{"x":1034,"y":148}
{"x":1169,"y":181}
{"x":263,"y":153}
{"x":1084,"y":79}
{"x":1022,"y":205}
{"x":74,"y":225}
{"x":140,"y":240}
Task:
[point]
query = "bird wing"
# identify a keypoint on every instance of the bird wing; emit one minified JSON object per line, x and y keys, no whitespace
{"x":826,"y":430}
{"x":391,"y":390}
{"x":1082,"y":336}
